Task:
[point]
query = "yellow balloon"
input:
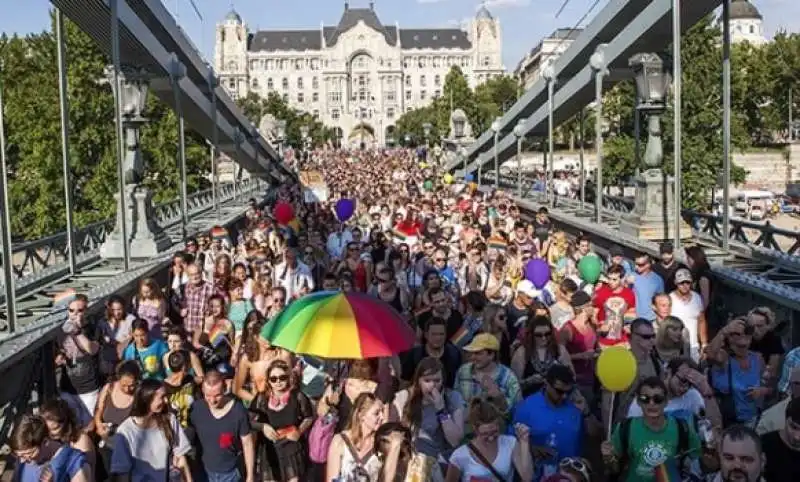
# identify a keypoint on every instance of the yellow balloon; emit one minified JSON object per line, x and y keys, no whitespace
{"x":423,"y":165}
{"x":295,"y":225}
{"x":448,"y":178}
{"x":616,"y":369}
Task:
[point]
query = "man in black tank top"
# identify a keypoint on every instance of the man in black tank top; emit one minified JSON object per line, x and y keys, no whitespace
{"x":436,"y":345}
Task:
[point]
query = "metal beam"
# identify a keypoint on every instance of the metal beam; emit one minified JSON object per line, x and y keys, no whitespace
{"x":649,"y":31}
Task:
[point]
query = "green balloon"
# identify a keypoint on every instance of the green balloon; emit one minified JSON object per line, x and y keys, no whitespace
{"x":589,"y":268}
{"x":427,"y":185}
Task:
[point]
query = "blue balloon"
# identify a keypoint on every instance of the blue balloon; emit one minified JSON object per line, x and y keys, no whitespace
{"x":345,"y":209}
{"x":469,"y":177}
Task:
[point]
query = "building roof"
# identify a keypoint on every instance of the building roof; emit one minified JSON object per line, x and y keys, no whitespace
{"x":300,"y":40}
{"x":234,"y":15}
{"x":350,"y":19}
{"x":484,"y":13}
{"x":275,"y":40}
{"x":559,"y":34}
{"x":744,"y":10}
{"x":434,"y":38}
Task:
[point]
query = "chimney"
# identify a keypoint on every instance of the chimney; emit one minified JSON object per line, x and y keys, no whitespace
{"x":372,"y":6}
{"x":346,"y":6}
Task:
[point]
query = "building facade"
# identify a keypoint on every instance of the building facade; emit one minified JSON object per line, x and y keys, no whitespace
{"x":360,"y":75}
{"x":747,"y":24}
{"x":545,"y":53}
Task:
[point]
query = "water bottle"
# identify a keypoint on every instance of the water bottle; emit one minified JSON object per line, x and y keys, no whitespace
{"x":550,"y":466}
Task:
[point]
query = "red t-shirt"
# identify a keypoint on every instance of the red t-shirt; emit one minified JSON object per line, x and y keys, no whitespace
{"x":612,"y":307}
{"x":409,"y":228}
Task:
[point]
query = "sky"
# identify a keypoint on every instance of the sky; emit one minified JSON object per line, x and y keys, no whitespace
{"x":523,"y":22}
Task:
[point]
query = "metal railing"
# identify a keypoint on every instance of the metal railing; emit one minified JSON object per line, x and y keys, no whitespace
{"x":44,"y":260}
{"x":763,"y":237}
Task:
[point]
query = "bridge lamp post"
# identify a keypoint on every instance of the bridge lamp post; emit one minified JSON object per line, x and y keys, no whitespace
{"x":146,"y":238}
{"x":495,"y":127}
{"x":598,"y":63}
{"x":519,"y":133}
{"x":654,"y":195}
{"x":462,"y":151}
{"x":304,"y":135}
{"x":549,"y":75}
{"x":426,"y":129}
{"x":280,"y":133}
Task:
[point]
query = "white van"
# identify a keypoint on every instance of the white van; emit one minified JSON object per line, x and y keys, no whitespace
{"x":753,"y":204}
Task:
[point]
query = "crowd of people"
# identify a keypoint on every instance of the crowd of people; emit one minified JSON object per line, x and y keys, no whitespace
{"x":178,"y":383}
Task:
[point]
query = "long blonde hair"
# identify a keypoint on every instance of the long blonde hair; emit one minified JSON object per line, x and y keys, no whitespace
{"x":364,"y":402}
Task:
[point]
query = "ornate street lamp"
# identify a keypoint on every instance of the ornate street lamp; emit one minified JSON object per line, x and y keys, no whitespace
{"x":652,"y":82}
{"x":426,"y":128}
{"x":653,"y":214}
{"x":146,"y":237}
{"x":280,"y":133}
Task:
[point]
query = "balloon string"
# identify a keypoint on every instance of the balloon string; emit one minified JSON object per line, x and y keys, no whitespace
{"x":611,"y":416}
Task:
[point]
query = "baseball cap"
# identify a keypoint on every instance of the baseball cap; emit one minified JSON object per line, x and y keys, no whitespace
{"x":683,"y":275}
{"x":526,"y":288}
{"x":666,"y":248}
{"x":580,"y":298}
{"x":483,"y":341}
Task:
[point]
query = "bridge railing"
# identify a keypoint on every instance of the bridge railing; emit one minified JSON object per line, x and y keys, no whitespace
{"x":765,"y":237}
{"x":44,"y":260}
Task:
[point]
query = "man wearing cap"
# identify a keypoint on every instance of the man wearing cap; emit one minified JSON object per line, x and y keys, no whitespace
{"x":667,"y":266}
{"x":484,"y":376}
{"x":519,"y":309}
{"x":687,"y":305}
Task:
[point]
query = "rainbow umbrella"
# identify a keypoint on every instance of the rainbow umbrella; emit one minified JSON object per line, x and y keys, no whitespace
{"x":331,"y":324}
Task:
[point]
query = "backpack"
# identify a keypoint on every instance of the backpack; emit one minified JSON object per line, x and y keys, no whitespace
{"x":624,"y":442}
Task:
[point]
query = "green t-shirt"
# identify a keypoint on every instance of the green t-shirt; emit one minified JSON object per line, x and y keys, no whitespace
{"x":647,"y":448}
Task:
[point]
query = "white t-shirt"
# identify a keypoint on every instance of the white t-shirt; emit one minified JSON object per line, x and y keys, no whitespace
{"x":470,"y":467}
{"x":689,"y":312}
{"x":690,"y":403}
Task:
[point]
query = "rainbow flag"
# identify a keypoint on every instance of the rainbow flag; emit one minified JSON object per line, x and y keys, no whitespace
{"x":218,"y":336}
{"x":399,"y":236}
{"x":667,"y":472}
{"x":498,"y":243}
{"x":218,"y":232}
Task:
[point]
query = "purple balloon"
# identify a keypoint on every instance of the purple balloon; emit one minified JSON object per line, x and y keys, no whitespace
{"x":345,"y":209}
{"x":537,"y":271}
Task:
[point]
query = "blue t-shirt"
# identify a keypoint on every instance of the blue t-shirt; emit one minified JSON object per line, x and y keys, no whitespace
{"x":544,"y":419}
{"x":65,"y":464}
{"x":149,"y":358}
{"x":645,"y":286}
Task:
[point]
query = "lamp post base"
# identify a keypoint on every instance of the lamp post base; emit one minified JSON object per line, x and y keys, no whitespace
{"x":146,"y":239}
{"x":653,"y":215}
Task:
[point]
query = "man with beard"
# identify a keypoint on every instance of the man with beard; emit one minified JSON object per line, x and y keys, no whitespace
{"x":782,"y":448}
{"x":740,"y":456}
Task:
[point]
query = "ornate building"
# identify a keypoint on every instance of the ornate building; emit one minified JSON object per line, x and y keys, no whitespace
{"x":360,"y":75}
{"x":747,"y":24}
{"x":545,"y":53}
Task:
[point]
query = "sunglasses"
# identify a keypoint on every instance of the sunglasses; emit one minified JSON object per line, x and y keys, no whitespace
{"x":439,"y":259}
{"x":562,"y":391}
{"x":654,"y":399}
{"x":279,"y":378}
{"x":646,"y":336}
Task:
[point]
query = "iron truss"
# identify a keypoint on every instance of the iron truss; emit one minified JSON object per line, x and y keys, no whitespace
{"x":42,"y":269}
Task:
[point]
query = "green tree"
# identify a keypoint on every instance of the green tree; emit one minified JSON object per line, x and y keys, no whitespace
{"x":701,"y":141}
{"x":32,"y":119}
{"x":255,"y":107}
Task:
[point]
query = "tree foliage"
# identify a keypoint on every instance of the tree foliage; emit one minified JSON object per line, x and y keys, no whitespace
{"x":32,"y":122}
{"x":255,"y":107}
{"x":481,"y":106}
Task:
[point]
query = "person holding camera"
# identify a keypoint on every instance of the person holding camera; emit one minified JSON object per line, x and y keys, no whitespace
{"x":80,"y":345}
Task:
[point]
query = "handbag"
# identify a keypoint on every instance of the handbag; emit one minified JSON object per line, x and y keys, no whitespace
{"x":474,"y":451}
{"x":320,"y":437}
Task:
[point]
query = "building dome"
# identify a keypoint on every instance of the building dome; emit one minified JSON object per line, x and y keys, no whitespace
{"x":744,"y":10}
{"x":484,"y":14}
{"x":233,"y":16}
